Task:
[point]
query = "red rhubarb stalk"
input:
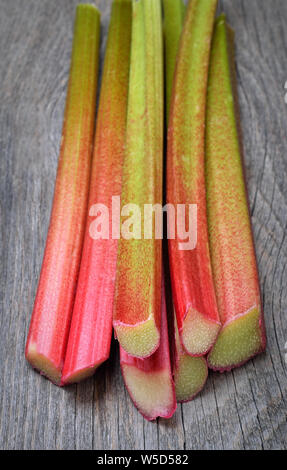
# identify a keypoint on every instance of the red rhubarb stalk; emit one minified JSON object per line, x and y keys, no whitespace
{"x":149,"y":381}
{"x":91,"y":329}
{"x":190,"y":373}
{"x":137,"y":311}
{"x":191,"y":274}
{"x":231,"y":240}
{"x":48,"y":334}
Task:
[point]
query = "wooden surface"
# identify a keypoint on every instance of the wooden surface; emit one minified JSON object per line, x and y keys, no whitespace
{"x":245,"y":409}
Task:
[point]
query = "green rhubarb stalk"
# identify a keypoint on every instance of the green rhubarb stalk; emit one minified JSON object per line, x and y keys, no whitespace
{"x":231,"y":241}
{"x":137,"y":311}
{"x":173,"y":22}
{"x":49,"y":329}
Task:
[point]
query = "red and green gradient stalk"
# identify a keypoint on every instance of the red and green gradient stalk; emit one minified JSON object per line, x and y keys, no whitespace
{"x":49,"y":328}
{"x":137,"y":312}
{"x":91,"y":328}
{"x":231,"y":241}
{"x":190,"y":373}
{"x":191,"y":275}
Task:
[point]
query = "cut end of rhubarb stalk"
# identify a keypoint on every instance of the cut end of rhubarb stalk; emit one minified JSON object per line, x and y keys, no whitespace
{"x":80,"y":375}
{"x":238,"y":341}
{"x":190,"y":373}
{"x":153,"y":396}
{"x":43,"y":364}
{"x":199,"y":333}
{"x":190,"y":377}
{"x":140,"y":340}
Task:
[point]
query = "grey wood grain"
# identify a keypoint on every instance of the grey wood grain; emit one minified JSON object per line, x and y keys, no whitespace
{"x":245,"y":409}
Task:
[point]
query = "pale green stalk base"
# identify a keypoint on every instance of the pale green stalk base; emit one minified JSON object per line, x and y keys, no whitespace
{"x":199,"y":333}
{"x":190,"y":377}
{"x":142,"y":339}
{"x":237,"y":342}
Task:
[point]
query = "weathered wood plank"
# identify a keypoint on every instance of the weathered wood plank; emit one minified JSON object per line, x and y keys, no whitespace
{"x":243,"y":409}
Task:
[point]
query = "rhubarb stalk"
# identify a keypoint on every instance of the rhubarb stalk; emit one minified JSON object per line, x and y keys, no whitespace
{"x":91,"y":328}
{"x":231,"y":240}
{"x":149,"y":381}
{"x":173,"y":23}
{"x":190,"y":373}
{"x":137,"y":312}
{"x":48,"y":334}
{"x":191,"y":274}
